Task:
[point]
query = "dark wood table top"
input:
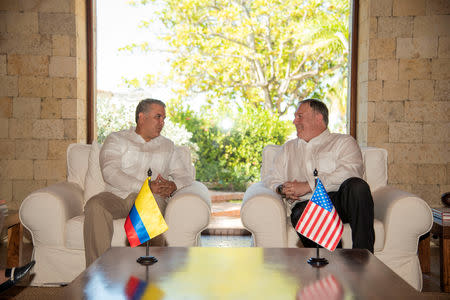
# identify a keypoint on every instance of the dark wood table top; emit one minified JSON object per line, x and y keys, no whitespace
{"x":237,"y":273}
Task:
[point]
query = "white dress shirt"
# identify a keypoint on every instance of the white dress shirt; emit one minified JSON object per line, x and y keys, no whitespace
{"x":125,"y":158}
{"x":336,"y":157}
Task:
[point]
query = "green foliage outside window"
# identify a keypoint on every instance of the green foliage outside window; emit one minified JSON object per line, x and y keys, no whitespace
{"x":250,"y":62}
{"x":231,"y":159}
{"x":268,"y":53}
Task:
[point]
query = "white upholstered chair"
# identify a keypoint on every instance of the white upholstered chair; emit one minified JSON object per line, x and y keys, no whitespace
{"x":54,"y":216}
{"x":400,"y":217}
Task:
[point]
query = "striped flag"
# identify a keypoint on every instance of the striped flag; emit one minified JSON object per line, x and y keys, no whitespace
{"x":319,"y":221}
{"x":145,"y":220}
{"x":327,"y":288}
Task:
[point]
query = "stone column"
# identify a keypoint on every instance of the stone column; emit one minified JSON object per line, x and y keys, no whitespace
{"x":404,"y":91}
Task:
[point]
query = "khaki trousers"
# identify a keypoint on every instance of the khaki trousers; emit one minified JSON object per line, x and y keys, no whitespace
{"x":99,"y":213}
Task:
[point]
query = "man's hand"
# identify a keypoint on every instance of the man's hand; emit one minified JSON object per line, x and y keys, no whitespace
{"x":295,"y":189}
{"x":162,"y":187}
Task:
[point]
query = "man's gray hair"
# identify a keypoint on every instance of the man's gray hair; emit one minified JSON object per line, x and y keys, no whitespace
{"x":317,"y":106}
{"x":144,"y":106}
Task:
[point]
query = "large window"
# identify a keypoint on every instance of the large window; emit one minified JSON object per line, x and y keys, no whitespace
{"x":231,"y":72}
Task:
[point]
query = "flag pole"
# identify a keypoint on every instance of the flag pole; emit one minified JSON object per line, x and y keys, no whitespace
{"x":147,"y":260}
{"x":317,"y":261}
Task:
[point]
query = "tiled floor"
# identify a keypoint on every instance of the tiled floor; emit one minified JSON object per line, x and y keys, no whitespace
{"x":225,"y":215}
{"x":226,"y":241}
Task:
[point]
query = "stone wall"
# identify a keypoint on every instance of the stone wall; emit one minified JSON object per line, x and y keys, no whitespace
{"x":42,"y":92}
{"x":404,"y":90}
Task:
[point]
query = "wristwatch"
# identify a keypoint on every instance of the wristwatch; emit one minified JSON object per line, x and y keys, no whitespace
{"x":279,"y":190}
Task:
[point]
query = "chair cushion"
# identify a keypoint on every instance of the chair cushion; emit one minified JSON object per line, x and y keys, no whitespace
{"x":375,"y":167}
{"x":93,"y":183}
{"x":77,"y":163}
{"x":74,"y":233}
{"x":185,"y":155}
{"x":268,"y":155}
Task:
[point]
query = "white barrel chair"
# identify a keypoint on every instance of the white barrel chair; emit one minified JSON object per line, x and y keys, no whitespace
{"x":400,"y":217}
{"x":54,"y":216}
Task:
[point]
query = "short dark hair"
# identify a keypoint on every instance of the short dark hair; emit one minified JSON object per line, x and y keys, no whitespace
{"x":144,"y":106}
{"x":317,"y":106}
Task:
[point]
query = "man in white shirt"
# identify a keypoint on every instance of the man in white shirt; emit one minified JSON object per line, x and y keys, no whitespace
{"x":338,"y":160}
{"x":125,"y":158}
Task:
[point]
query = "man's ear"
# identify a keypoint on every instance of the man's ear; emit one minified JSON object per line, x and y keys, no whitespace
{"x":319,"y":119}
{"x":141,"y":117}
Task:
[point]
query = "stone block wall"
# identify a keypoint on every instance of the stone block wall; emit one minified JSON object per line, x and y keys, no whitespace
{"x":404,"y":91}
{"x":42,"y":92}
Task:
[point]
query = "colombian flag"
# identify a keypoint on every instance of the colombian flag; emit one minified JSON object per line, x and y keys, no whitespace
{"x":145,"y":220}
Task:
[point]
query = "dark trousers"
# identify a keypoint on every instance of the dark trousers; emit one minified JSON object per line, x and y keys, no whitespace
{"x":354,"y":204}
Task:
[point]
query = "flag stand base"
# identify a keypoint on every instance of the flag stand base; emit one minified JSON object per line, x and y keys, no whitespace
{"x":318,"y":262}
{"x":147,"y":260}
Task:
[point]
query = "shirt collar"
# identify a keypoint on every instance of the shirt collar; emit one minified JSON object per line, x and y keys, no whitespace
{"x":139,"y":139}
{"x":315,"y":140}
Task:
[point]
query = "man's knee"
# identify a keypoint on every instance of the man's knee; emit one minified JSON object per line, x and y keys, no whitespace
{"x":94,"y":204}
{"x":356,"y":184}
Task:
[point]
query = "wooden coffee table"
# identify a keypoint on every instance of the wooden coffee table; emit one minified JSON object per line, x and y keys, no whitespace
{"x":236,"y":273}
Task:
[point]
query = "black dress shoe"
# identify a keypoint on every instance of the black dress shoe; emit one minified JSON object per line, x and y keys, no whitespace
{"x":15,"y":274}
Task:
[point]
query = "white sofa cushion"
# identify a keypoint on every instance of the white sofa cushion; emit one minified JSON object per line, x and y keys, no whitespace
{"x":74,"y":233}
{"x":267,"y":159}
{"x":77,"y":163}
{"x":375,"y":167}
{"x":93,"y":183}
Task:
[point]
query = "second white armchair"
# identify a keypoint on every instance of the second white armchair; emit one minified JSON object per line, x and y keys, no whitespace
{"x":400,"y":217}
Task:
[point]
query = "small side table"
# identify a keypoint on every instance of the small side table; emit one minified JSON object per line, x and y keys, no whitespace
{"x":442,"y":230}
{"x":15,"y":235}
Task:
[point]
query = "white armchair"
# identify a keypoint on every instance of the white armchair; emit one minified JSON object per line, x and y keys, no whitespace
{"x":400,"y":217}
{"x":54,"y":216}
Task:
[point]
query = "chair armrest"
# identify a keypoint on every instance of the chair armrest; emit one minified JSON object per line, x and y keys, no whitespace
{"x":187,"y":215}
{"x":405,"y":217}
{"x":45,"y":212}
{"x":263,"y":213}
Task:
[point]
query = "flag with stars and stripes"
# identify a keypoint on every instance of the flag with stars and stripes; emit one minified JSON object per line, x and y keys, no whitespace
{"x":319,"y":221}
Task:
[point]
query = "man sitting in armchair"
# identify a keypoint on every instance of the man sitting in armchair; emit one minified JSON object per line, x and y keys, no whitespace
{"x":338,"y":160}
{"x":125,"y":158}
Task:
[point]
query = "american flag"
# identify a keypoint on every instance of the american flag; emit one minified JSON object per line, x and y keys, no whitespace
{"x":327,"y":288}
{"x":320,"y":221}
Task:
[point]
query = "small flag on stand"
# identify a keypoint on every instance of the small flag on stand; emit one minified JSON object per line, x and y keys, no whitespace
{"x":145,"y":220}
{"x":320,"y":221}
